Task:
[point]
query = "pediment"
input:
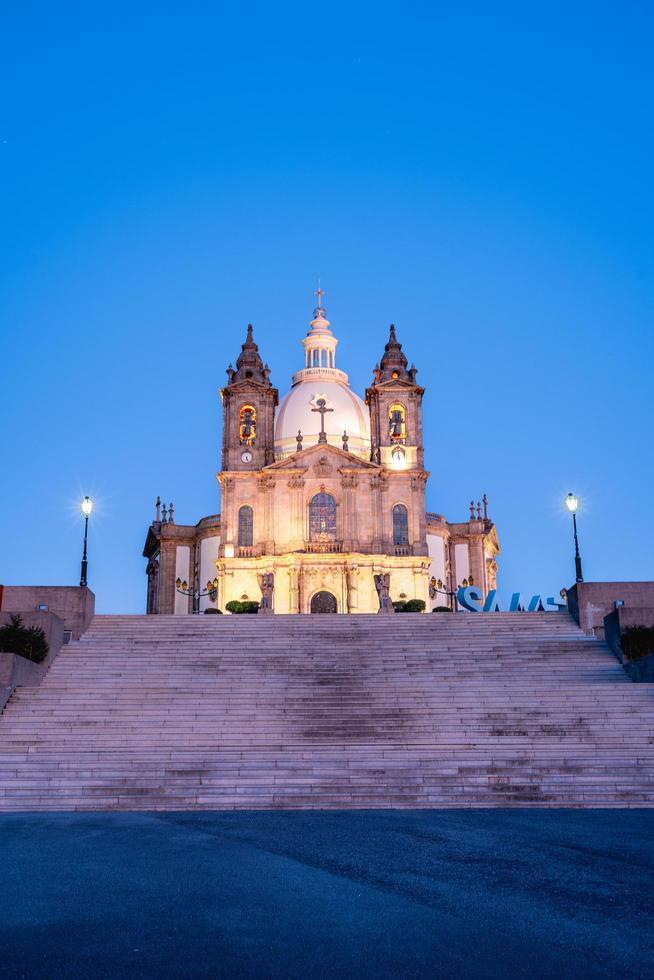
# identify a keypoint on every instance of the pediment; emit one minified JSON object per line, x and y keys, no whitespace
{"x":323,"y":459}
{"x":396,"y":384}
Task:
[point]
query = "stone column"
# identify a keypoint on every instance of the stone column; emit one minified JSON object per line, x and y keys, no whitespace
{"x":296,"y":502}
{"x":294,"y":589}
{"x":167,"y":573}
{"x":352,"y":573}
{"x":377,"y":520}
{"x":386,"y":516}
{"x":451,"y":566}
{"x":153,"y":582}
{"x":418,"y":521}
{"x":266,"y":488}
{"x":227,"y":507}
{"x":476,"y":561}
{"x":349,"y":483}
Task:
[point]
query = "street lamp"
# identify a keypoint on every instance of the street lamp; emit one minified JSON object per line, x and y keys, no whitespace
{"x":87,"y":507}
{"x":439,"y":588}
{"x":572,"y":503}
{"x":185,"y":589}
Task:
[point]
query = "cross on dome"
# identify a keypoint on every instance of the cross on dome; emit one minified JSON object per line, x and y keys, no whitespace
{"x":319,"y":293}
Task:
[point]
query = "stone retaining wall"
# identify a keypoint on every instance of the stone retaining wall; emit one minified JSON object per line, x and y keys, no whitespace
{"x":75,"y":605}
{"x":590,"y":602}
{"x":615,"y":624}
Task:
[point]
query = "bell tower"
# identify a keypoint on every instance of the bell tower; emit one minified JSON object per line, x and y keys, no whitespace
{"x":395,"y":403}
{"x":249,"y":402}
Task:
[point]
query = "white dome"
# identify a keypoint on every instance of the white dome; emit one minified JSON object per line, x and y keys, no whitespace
{"x":348,"y":413}
{"x":321,"y":379}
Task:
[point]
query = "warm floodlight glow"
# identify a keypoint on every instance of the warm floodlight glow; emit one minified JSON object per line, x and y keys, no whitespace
{"x":87,"y":506}
{"x":572,"y":503}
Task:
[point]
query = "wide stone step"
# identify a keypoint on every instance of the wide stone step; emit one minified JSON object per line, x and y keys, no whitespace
{"x":329,"y":712}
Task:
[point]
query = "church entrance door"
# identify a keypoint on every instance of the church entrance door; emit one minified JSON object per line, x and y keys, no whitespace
{"x":323,"y":602}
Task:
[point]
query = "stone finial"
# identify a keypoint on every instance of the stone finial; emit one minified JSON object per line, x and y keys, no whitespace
{"x":485,"y":503}
{"x":345,"y":440}
{"x":171,"y":514}
{"x":472,"y":510}
{"x":249,"y":366}
{"x":164,"y":518}
{"x":393,"y":365}
{"x":158,"y":510}
{"x":299,"y":438}
{"x":478,"y":510}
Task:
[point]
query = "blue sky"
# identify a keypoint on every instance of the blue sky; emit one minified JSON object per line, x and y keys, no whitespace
{"x":478,"y":174}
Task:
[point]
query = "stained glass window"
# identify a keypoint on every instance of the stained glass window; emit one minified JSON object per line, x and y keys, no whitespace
{"x":322,"y":518}
{"x":400,"y":524}
{"x":245,"y":524}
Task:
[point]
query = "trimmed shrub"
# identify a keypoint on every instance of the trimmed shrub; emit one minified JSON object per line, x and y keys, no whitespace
{"x":409,"y":605}
{"x":238,"y":607}
{"x":26,"y":641}
{"x":441,"y":609}
{"x":637,"y":642}
{"x":212,"y":609}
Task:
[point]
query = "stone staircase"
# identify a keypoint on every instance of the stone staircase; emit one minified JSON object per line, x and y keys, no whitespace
{"x":215,"y":712}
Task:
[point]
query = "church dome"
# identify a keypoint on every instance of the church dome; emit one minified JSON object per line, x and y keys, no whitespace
{"x":321,"y":391}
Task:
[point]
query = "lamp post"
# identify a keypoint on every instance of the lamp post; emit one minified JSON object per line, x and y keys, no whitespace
{"x":438,"y":587}
{"x":87,"y":507}
{"x":196,"y":594}
{"x":572,"y":503}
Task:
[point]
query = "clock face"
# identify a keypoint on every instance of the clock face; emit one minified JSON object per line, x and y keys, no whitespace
{"x":398,"y":453}
{"x":246,"y":457}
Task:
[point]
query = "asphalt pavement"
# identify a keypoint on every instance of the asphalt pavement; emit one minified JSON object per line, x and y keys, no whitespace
{"x":373,"y":894}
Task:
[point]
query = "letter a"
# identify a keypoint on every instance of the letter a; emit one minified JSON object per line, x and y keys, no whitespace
{"x":492,"y":603}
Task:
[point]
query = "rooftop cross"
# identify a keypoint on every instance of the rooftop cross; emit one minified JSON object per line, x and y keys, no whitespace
{"x":321,"y":406}
{"x":319,"y":293}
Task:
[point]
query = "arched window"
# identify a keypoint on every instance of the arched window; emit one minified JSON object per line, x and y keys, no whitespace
{"x":247,"y":425}
{"x":397,"y":423}
{"x":322,"y":518}
{"x":245,"y":525}
{"x":400,"y":524}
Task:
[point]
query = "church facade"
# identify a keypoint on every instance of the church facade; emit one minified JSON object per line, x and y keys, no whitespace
{"x":323,"y":490}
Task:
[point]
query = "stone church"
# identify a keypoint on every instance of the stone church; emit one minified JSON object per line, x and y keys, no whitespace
{"x":325,"y":491}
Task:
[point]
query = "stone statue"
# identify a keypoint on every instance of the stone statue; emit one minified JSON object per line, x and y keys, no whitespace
{"x":383,"y":586}
{"x":267,"y":584}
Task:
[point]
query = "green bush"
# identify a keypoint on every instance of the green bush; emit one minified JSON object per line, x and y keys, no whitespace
{"x":409,"y":605}
{"x":26,"y":641}
{"x":212,"y":609}
{"x":441,"y":609}
{"x":637,"y":642}
{"x":238,"y":607}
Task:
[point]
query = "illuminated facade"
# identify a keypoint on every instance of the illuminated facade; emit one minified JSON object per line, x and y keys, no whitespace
{"x":323,"y":489}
